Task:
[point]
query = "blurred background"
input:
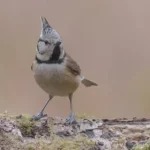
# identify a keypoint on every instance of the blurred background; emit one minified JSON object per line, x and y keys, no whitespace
{"x":110,"y":40}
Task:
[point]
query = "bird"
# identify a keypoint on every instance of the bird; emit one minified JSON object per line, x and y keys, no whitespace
{"x":54,"y":70}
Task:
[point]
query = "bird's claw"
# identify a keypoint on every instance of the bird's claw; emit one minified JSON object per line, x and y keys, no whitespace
{"x":38,"y":116}
{"x":71,"y":119}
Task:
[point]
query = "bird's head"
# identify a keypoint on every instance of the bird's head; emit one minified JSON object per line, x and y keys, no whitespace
{"x":49,"y":44}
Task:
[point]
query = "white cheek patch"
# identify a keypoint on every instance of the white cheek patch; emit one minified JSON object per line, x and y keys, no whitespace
{"x":42,"y":57}
{"x":44,"y":52}
{"x":41,"y":47}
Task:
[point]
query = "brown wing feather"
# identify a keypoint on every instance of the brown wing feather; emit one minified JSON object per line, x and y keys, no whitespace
{"x":72,"y":66}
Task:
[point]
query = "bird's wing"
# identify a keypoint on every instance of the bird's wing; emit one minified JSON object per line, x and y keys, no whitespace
{"x":72,"y":66}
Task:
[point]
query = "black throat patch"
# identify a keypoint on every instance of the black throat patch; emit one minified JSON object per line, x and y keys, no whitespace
{"x":54,"y":59}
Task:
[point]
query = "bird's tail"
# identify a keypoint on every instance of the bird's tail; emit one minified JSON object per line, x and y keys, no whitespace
{"x":88,"y":83}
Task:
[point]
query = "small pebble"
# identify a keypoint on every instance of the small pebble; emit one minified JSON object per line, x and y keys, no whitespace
{"x":130,"y":145}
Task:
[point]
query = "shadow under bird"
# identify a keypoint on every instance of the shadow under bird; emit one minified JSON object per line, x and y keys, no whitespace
{"x":54,"y":70}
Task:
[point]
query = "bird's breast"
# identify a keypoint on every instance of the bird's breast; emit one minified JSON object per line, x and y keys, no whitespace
{"x":55,"y":79}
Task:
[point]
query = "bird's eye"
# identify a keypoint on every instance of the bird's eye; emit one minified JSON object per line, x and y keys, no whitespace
{"x":46,"y":43}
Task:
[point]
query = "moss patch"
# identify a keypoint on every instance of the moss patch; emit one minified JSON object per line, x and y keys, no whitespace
{"x":26,"y":125}
{"x":142,"y":147}
{"x":84,"y":116}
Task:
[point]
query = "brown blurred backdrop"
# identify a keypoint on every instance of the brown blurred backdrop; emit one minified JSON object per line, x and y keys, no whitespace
{"x":109,"y":39}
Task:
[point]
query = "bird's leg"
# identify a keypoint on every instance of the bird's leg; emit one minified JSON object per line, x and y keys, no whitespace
{"x":40,"y":114}
{"x":71,"y":116}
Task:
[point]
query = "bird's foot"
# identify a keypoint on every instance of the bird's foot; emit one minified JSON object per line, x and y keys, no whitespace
{"x":71,"y":119}
{"x":38,"y":116}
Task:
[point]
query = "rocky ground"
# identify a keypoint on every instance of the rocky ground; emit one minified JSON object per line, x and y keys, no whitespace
{"x":20,"y":133}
